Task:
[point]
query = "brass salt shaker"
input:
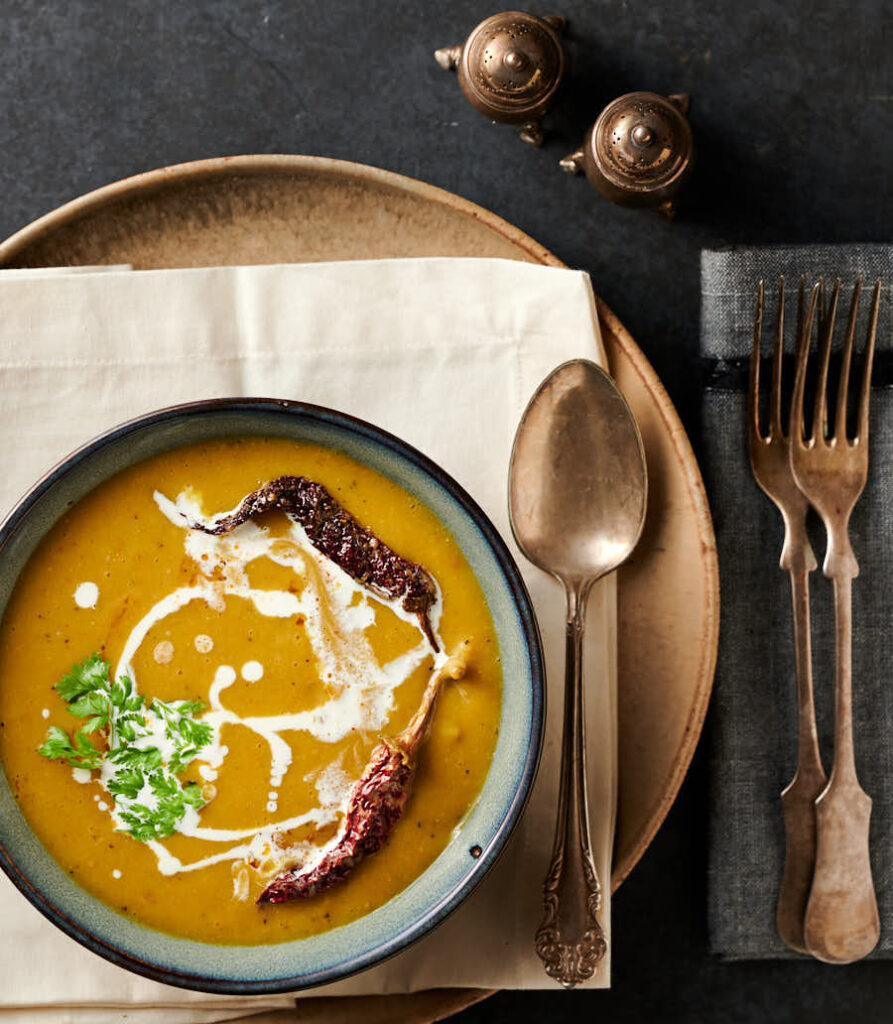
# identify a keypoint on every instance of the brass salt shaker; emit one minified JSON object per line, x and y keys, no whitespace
{"x":639,"y":151}
{"x":510,"y":68}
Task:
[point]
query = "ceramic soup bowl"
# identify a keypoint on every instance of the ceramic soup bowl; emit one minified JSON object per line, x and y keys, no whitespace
{"x":476,"y":842}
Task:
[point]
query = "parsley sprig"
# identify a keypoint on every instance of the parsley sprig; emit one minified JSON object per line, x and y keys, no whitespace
{"x":149,"y":799}
{"x":187,"y":735}
{"x":79,"y":754}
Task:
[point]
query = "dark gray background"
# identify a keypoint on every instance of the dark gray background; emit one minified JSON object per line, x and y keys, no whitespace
{"x":792,"y":111}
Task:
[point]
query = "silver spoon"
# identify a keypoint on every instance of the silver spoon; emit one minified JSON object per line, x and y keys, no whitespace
{"x":577,"y":493}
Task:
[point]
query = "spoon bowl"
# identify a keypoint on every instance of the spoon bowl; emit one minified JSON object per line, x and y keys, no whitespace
{"x":577,"y":482}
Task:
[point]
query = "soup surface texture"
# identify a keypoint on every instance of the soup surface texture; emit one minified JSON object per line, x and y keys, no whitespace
{"x":298,"y":672}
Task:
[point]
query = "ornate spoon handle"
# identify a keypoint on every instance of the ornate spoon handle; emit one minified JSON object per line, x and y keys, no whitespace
{"x":570,"y":941}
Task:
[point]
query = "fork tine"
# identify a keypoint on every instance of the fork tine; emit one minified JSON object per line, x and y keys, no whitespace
{"x":868,"y":359}
{"x":753,"y":392}
{"x":801,"y":302}
{"x":796,"y":432}
{"x":820,"y":319}
{"x":820,"y":411}
{"x":775,"y":427}
{"x":843,"y":386}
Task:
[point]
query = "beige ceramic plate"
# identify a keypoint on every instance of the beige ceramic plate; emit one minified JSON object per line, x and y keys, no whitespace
{"x":272,"y":209}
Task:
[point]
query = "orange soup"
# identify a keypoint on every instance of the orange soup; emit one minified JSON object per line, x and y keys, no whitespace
{"x":186,"y":716}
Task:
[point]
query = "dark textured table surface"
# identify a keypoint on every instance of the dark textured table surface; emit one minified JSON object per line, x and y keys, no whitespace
{"x":793,"y":117}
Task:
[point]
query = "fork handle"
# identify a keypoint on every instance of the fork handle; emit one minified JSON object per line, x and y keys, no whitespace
{"x":798,"y":799}
{"x":842,"y":923}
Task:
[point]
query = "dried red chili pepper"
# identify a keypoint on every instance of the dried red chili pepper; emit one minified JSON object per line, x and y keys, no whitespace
{"x":333,"y":531}
{"x":374,"y":806}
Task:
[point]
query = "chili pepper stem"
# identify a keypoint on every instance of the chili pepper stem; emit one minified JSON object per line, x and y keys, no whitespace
{"x":413,"y":735}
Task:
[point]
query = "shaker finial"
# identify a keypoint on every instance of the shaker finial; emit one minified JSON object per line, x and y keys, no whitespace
{"x":639,"y":152}
{"x":510,"y":68}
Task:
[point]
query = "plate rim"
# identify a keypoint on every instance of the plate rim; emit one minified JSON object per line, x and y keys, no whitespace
{"x":279,"y":163}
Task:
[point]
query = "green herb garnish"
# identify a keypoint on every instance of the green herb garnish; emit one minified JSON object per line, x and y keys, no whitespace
{"x":80,"y":754}
{"x":187,"y":735}
{"x":145,"y":747}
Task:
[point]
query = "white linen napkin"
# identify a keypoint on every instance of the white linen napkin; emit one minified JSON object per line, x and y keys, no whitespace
{"x":445,"y":353}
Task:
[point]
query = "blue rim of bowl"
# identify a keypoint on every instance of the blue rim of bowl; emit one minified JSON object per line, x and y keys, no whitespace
{"x":529,"y":627}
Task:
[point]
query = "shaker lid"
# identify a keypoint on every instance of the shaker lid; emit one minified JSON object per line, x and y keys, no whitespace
{"x":511,"y":65}
{"x":642,"y":142}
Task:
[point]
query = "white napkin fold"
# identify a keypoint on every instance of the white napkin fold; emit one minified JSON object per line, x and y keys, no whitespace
{"x":444,"y":353}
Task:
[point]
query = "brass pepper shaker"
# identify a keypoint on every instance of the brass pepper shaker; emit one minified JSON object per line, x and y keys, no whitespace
{"x":510,"y":68}
{"x":639,"y":151}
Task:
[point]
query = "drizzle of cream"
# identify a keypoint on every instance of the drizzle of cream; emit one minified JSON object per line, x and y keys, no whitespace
{"x":252,"y":671}
{"x":86,"y":595}
{"x":335,"y":615}
{"x":241,"y":881}
{"x":332,"y":783}
{"x":163,"y":654}
{"x":259,"y":847}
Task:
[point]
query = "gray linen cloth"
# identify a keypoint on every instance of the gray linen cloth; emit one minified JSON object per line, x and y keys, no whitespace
{"x":753,"y":724}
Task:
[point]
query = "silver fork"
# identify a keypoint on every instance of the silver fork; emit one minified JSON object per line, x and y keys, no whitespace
{"x":770,"y":461}
{"x":841,"y":923}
